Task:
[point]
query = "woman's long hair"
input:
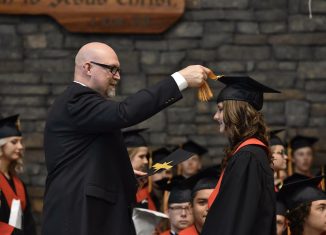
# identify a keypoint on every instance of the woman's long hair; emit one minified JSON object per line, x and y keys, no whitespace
{"x":15,"y":166}
{"x":297,"y":218}
{"x":242,"y":121}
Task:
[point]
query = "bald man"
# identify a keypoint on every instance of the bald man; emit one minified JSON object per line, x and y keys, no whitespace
{"x":91,"y":186}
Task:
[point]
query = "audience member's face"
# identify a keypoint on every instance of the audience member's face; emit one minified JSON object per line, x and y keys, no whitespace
{"x":280,"y":224}
{"x":303,"y":158}
{"x":219,"y":117}
{"x":166,"y":174}
{"x":279,"y":157}
{"x":180,"y":215}
{"x":13,"y":149}
{"x":139,"y":159}
{"x":200,"y":207}
{"x":191,"y":166}
{"x":316,"y":220}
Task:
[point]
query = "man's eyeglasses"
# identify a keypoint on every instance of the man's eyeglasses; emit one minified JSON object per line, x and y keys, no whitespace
{"x":113,"y":69}
{"x":179,"y":209}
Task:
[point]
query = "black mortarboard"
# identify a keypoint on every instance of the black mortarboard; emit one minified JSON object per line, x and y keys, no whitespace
{"x":205,"y":179}
{"x":9,"y":126}
{"x":169,"y":161}
{"x":244,"y":88}
{"x":303,"y":191}
{"x":179,"y":192}
{"x":274,"y":139}
{"x":193,"y":147}
{"x":302,"y":141}
{"x":159,"y":154}
{"x":133,"y":138}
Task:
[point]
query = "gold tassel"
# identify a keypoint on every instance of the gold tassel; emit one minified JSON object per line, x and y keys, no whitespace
{"x":205,"y":93}
{"x":165,"y":201}
{"x":150,"y":180}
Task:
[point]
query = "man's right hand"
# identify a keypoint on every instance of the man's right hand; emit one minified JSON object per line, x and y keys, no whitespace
{"x":195,"y":75}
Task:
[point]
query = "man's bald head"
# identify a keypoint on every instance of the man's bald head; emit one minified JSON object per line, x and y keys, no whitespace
{"x":94,"y":51}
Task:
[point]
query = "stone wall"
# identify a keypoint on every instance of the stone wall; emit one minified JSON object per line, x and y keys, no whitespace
{"x":272,"y":40}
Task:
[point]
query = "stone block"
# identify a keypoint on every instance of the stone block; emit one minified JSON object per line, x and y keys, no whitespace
{"x":243,"y":53}
{"x":311,"y":70}
{"x":299,"y":39}
{"x":173,"y":58}
{"x":297,"y":113}
{"x":273,"y":27}
{"x":181,"y":115}
{"x":279,"y":79}
{"x":33,"y":140}
{"x":214,"y":27}
{"x":227,"y":67}
{"x":214,"y":40}
{"x":182,"y":44}
{"x":320,"y":53}
{"x":182,"y":129}
{"x":316,"y":86}
{"x":14,"y":100}
{"x":35,"y":41}
{"x":247,"y":28}
{"x":202,"y":55}
{"x":224,"y":4}
{"x":186,"y":30}
{"x":151,"y":45}
{"x":271,"y":15}
{"x":11,"y":89}
{"x":29,"y":78}
{"x":242,"y":39}
{"x":318,"y":110}
{"x":49,"y":65}
{"x":130,"y":84}
{"x":57,"y":78}
{"x":293,"y":52}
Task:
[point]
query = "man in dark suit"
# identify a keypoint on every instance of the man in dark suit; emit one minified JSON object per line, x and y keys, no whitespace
{"x":91,"y":186}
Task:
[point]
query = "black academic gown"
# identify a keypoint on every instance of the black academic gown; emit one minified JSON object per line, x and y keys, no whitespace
{"x":245,"y":204}
{"x":28,"y":223}
{"x":91,"y":187}
{"x":295,"y":177}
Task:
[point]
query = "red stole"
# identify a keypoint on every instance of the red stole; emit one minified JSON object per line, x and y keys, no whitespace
{"x":6,"y":229}
{"x":189,"y":231}
{"x":251,"y":141}
{"x":143,"y":194}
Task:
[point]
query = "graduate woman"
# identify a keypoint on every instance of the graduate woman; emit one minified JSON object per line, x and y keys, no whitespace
{"x":15,"y":211}
{"x":243,"y":202}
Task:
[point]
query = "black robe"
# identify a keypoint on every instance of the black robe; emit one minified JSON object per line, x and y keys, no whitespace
{"x":28,"y":224}
{"x":295,"y":177}
{"x":91,"y":187}
{"x":246,"y":202}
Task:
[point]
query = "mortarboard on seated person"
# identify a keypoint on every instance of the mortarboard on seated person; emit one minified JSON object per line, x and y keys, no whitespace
{"x":306,"y":205}
{"x":192,"y":166}
{"x":179,"y":208}
{"x":202,"y":185}
{"x":302,"y":155}
{"x":9,"y":126}
{"x":281,"y":221}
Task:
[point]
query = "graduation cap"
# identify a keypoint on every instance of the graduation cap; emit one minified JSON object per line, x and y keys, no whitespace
{"x":303,"y":191}
{"x":179,"y":191}
{"x":9,"y":126}
{"x":300,"y":141}
{"x":169,"y":161}
{"x":244,"y":88}
{"x":274,"y":139}
{"x":160,"y":154}
{"x":205,"y":179}
{"x":193,"y":147}
{"x":132,"y":138}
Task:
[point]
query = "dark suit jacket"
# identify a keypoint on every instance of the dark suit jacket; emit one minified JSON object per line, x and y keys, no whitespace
{"x":91,"y":187}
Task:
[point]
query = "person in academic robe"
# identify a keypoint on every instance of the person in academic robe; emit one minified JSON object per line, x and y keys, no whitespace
{"x":278,"y":150}
{"x":306,"y":205}
{"x":193,"y":165}
{"x":243,"y":202}
{"x":302,"y":157}
{"x":202,"y":185}
{"x":15,"y":209}
{"x":281,"y":221}
{"x":138,"y":151}
{"x":91,"y":186}
{"x":179,"y":208}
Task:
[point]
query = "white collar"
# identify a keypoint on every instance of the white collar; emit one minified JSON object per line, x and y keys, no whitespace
{"x":80,"y":83}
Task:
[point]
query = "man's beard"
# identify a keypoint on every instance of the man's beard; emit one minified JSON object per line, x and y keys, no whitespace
{"x":110,"y":93}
